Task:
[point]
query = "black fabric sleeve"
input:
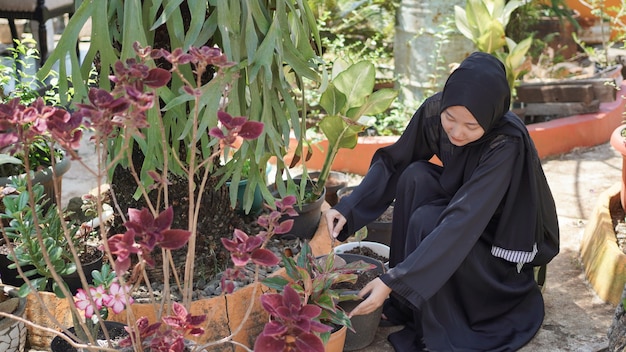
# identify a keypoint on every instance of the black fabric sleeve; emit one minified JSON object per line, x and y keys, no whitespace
{"x":378,"y":188}
{"x":461,"y":224}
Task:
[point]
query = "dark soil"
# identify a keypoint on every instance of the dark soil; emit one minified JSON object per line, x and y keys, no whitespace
{"x":363,"y":278}
{"x":217,"y":219}
{"x":368,"y":252}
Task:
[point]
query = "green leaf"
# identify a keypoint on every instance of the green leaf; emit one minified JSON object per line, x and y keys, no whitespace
{"x":356,"y":83}
{"x":275,"y":282}
{"x":376,"y":103}
{"x":332,"y":100}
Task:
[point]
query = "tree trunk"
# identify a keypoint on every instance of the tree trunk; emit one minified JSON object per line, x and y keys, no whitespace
{"x":426,"y":44}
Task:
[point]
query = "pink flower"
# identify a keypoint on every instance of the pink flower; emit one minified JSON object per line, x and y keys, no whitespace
{"x":81,"y":301}
{"x":118,"y":297}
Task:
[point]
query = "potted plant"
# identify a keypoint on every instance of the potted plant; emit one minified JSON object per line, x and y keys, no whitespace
{"x":349,"y":102}
{"x":27,"y":91}
{"x":31,"y":230}
{"x":92,"y":321}
{"x":310,"y":288}
{"x":12,"y":332}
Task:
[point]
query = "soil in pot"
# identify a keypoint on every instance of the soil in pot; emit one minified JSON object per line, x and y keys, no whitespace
{"x":368,"y":252}
{"x":116,"y":332}
{"x":218,"y":220}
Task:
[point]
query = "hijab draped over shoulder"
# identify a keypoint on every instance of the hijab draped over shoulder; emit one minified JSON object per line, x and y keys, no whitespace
{"x":480,"y":85}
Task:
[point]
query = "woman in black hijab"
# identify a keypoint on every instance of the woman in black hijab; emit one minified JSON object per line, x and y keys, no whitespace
{"x":466,"y":235}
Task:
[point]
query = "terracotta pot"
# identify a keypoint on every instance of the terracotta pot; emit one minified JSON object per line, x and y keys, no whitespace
{"x":13,"y":332}
{"x":114,"y":329}
{"x":337,"y":340}
{"x":37,"y":312}
{"x":618,"y":142}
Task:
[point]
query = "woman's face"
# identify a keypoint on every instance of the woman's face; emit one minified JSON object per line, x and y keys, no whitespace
{"x":460,"y":125}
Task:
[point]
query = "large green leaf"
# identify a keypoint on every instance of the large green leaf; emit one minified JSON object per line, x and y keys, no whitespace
{"x":356,"y":83}
{"x":376,"y":103}
{"x":332,"y":100}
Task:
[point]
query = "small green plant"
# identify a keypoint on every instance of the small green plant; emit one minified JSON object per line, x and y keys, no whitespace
{"x":484,"y":23}
{"x":350,"y":103}
{"x":31,"y":229}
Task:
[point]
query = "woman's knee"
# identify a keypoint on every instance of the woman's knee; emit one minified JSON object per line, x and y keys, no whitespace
{"x":420,"y":173}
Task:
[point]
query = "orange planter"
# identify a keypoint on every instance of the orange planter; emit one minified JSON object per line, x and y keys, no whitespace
{"x":551,"y":138}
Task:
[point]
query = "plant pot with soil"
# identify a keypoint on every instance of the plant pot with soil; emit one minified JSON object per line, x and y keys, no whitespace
{"x":307,"y":291}
{"x":374,"y":250}
{"x":336,"y":180}
{"x":364,"y":326}
{"x":12,"y":332}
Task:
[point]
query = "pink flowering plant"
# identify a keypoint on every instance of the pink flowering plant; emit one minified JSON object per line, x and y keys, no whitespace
{"x":105,"y":293}
{"x":128,"y":111}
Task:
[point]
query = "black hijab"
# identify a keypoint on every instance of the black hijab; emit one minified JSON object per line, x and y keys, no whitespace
{"x":528,"y":228}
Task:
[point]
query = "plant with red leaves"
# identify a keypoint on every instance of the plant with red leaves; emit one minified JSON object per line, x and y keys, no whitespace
{"x":129,"y":110}
{"x":313,"y":280}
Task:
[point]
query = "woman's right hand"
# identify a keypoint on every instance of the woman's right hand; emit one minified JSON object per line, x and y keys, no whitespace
{"x":335,"y":222}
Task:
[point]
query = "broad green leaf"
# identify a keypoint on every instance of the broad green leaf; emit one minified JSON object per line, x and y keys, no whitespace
{"x":356,"y":82}
{"x":493,"y":38}
{"x":332,"y":100}
{"x":376,"y":103}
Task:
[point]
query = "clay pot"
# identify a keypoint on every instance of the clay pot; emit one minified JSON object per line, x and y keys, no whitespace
{"x":336,"y":341}
{"x":12,"y":332}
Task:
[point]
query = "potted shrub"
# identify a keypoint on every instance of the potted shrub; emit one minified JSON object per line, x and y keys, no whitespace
{"x":310,"y":288}
{"x":12,"y":332}
{"x":349,"y":102}
{"x":27,"y":93}
{"x":35,"y":233}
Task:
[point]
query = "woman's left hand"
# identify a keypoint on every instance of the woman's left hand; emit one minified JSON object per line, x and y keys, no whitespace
{"x":378,"y":293}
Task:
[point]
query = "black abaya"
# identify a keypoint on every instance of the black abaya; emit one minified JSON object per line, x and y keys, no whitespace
{"x":447,"y":222}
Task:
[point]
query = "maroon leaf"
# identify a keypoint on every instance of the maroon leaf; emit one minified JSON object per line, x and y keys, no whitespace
{"x":309,"y":343}
{"x":251,"y":130}
{"x":268,"y":344}
{"x":174,"y":239}
{"x":265,"y":257}
{"x":157,"y":77}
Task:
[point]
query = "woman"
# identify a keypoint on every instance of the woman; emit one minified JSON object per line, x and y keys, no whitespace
{"x":466,"y":235}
